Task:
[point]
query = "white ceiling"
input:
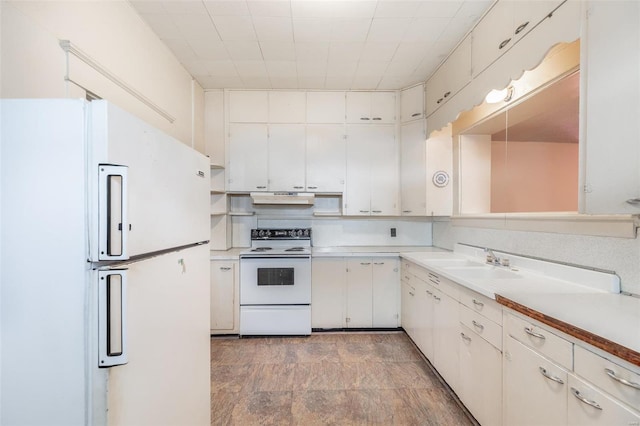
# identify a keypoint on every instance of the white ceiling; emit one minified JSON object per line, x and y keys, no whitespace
{"x":310,"y":44}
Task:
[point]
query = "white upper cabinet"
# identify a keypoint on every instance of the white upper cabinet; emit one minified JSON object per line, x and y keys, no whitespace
{"x":413,"y":177}
{"x":439,"y":155}
{"x":412,"y":103}
{"x":248,"y":106}
{"x":371,"y":107}
{"x":372,"y":171}
{"x":286,"y":157}
{"x":287,"y":107}
{"x":326,"y":107}
{"x":450,"y":78}
{"x":326,"y":164}
{"x":248,"y":149}
{"x":503,"y":26}
{"x":610,"y":112}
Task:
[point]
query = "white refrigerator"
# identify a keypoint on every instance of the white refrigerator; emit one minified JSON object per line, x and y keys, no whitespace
{"x":104,"y":265}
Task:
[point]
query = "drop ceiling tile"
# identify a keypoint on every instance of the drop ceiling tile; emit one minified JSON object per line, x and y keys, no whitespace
{"x":284,"y":82}
{"x":195,"y":67}
{"x":247,"y":69}
{"x":426,"y":29}
{"x":312,"y":69}
{"x":371,"y":69}
{"x":411,"y":52}
{"x":207,"y":49}
{"x":220,"y":68}
{"x":270,"y":8}
{"x":149,"y":6}
{"x":397,"y":9}
{"x":309,"y":51}
{"x":256,"y":82}
{"x":273,"y":28}
{"x":221,"y":82}
{"x":355,"y":9}
{"x":192,"y":25}
{"x":286,"y":69}
{"x":341,"y":69}
{"x":163,"y":25}
{"x":338,"y":83}
{"x":382,"y":52}
{"x":393,"y":83}
{"x":312,"y":29}
{"x":365,"y":83}
{"x":311,"y":82}
{"x":243,"y":50}
{"x":439,"y":9}
{"x":181,"y":49}
{"x":339,"y":51}
{"x":235,"y":28}
{"x":313,"y":9}
{"x":349,"y":30}
{"x":388,"y":29}
{"x":227,"y":8}
{"x":428,"y":66}
{"x":400,"y":68}
{"x":185,"y":7}
{"x":278,"y":51}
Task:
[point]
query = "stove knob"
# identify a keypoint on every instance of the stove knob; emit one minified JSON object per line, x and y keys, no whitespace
{"x":292,"y":233}
{"x":268,"y":234}
{"x":299,"y":232}
{"x":306,"y":232}
{"x":261,"y":233}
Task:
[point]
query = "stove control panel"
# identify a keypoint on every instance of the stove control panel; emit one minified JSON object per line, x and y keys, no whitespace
{"x":281,"y":234}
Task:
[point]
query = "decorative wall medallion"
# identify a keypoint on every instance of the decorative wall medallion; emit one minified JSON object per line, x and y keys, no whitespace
{"x":440,"y":179}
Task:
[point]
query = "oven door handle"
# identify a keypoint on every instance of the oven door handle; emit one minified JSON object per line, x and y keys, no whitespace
{"x":301,"y":256}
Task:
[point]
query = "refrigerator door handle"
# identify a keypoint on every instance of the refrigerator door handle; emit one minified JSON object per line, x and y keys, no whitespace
{"x":112,"y":317}
{"x":113,"y":222}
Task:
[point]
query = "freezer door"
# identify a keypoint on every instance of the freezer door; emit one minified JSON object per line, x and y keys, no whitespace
{"x":113,"y":223}
{"x":112,"y":317}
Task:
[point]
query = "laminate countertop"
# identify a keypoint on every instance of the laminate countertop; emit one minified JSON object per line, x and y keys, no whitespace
{"x":344,"y":251}
{"x":556,"y":296}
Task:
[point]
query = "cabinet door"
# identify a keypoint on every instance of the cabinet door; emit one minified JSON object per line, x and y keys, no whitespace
{"x":439,"y":160}
{"x":326,"y":163}
{"x":535,"y":389}
{"x":408,"y":309}
{"x":383,"y":154}
{"x":383,"y":107}
{"x":590,"y":406}
{"x":326,"y":107}
{"x":357,"y":197}
{"x":359,"y":107}
{"x":612,"y":161}
{"x":425,"y":318}
{"x":224,"y":297}
{"x":248,"y":106}
{"x":493,"y":36}
{"x":527,"y":15}
{"x":446,"y":338}
{"x":287,"y":157}
{"x":359,"y":293}
{"x":480,"y":377}
{"x":287,"y":107}
{"x":450,"y":78}
{"x":386,"y":292}
{"x":248,"y":148}
{"x":412,"y":103}
{"x":413,"y":178}
{"x":329,"y":278}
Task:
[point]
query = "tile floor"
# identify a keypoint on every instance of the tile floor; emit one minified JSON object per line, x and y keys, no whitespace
{"x":327,"y":378}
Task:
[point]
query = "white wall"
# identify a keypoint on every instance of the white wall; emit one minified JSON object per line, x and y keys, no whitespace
{"x":34,"y":65}
{"x":616,"y":254}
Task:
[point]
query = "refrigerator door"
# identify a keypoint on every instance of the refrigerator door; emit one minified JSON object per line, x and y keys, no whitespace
{"x":167,"y":377}
{"x":113,"y":223}
{"x":112,"y":317}
{"x":168,"y":181}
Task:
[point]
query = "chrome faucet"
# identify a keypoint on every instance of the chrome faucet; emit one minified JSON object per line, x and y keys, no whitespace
{"x":492,"y":259}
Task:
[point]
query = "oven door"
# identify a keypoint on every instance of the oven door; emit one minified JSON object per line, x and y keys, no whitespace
{"x":275,"y":280}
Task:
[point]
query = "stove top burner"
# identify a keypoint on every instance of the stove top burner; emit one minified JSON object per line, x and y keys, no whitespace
{"x":261,"y":249}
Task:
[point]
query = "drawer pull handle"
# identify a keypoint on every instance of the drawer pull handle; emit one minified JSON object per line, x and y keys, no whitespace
{"x":298,"y":187}
{"x":416,"y":114}
{"x":522,"y":27}
{"x":378,"y":263}
{"x":365,"y":263}
{"x":225,"y":268}
{"x":613,"y":375}
{"x":364,"y":211}
{"x":437,"y":298}
{"x":261,"y":187}
{"x":429,"y":293}
{"x":546,"y":374}
{"x":477,"y":325}
{"x":312,"y":187}
{"x":465,"y":337}
{"x":376,"y":211}
{"x":504,"y":43}
{"x":475,"y":302}
{"x":530,"y":332}
{"x":577,"y":394}
{"x":413,"y":294}
{"x":406,"y":277}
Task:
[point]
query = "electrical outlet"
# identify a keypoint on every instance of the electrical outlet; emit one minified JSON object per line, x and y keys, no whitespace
{"x":393,"y":232}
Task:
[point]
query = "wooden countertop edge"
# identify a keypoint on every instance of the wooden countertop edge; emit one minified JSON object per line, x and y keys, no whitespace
{"x":613,"y":348}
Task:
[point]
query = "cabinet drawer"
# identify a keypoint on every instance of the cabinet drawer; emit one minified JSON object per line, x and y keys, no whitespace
{"x":548,"y":344}
{"x":481,"y":304}
{"x":587,"y":406}
{"x":445,"y":285}
{"x":483,"y":327}
{"x":618,"y":381}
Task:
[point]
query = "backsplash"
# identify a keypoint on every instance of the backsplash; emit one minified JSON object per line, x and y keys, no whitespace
{"x":621,"y":255}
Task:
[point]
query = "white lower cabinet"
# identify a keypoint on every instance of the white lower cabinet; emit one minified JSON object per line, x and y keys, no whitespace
{"x":225,"y":302}
{"x":590,"y":406}
{"x":329,"y":280}
{"x":480,"y":387}
{"x":408,"y":308}
{"x":359,"y":294}
{"x":425,"y":317}
{"x":445,"y":338}
{"x":535,"y":389}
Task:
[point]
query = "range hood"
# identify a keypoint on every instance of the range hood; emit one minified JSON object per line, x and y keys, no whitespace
{"x":283,"y":198}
